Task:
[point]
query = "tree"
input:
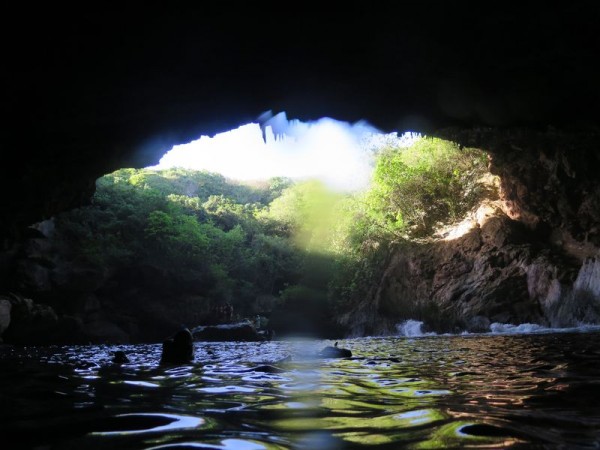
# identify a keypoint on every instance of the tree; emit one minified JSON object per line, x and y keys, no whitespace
{"x":427,"y":184}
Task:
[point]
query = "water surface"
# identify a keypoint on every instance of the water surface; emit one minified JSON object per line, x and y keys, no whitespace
{"x":475,"y":391}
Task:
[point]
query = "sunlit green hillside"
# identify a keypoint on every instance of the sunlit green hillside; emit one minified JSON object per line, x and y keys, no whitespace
{"x":279,"y":248}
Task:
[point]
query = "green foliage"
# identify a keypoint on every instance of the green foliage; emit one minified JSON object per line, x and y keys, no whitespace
{"x":303,"y":310}
{"x":307,"y":212}
{"x":175,"y":239}
{"x":301,"y":296}
{"x":190,"y":183}
{"x":307,"y":250}
{"x":207,"y":231}
{"x":427,"y":184}
{"x":414,"y":190}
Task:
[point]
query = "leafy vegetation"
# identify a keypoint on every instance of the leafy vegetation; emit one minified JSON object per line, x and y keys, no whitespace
{"x":428,"y":184}
{"x":415,"y":189}
{"x":283,"y":249}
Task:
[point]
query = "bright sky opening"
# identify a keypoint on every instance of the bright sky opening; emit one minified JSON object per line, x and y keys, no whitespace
{"x":337,"y":153}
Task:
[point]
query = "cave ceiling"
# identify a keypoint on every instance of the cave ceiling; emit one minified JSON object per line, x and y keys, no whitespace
{"x":89,"y":90}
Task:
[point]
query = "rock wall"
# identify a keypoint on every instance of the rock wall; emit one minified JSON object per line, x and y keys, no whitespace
{"x":568,"y":305}
{"x":495,"y":272}
{"x":531,"y":255}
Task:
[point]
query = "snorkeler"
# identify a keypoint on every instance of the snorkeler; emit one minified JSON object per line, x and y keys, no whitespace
{"x":178,"y":349}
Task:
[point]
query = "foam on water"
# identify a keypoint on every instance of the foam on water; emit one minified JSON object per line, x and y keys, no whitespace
{"x":414,"y":328}
{"x":532,"y":328}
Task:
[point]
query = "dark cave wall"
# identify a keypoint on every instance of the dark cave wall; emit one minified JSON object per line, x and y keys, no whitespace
{"x":549,"y":182}
{"x":91,"y":91}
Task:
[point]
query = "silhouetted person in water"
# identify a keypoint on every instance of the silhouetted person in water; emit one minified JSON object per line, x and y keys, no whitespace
{"x":178,"y":349}
{"x":120,"y":357}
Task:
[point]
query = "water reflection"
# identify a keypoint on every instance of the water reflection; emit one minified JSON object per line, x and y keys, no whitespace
{"x":148,"y":423}
{"x":428,"y":392}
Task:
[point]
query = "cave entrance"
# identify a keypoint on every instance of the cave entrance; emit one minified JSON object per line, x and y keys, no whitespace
{"x":279,"y":224}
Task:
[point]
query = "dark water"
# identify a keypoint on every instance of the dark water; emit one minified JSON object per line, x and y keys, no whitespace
{"x":485,"y":391}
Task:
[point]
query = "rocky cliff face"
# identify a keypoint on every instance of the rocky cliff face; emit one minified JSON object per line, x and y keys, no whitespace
{"x":528,"y":255}
{"x":549,"y":182}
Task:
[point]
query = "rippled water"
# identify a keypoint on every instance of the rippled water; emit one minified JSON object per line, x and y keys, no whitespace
{"x":477,"y":391}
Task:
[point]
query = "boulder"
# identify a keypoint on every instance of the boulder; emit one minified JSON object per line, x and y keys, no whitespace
{"x":242,"y":331}
{"x":335,"y":352}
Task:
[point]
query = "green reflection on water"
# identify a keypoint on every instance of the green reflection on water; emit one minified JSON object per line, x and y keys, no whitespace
{"x":451,"y":436}
{"x":404,"y":420}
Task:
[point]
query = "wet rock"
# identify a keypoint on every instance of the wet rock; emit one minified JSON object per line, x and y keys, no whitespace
{"x":266,"y":368}
{"x":568,"y":305}
{"x":478,"y":324}
{"x":242,"y":331}
{"x":335,"y":352}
